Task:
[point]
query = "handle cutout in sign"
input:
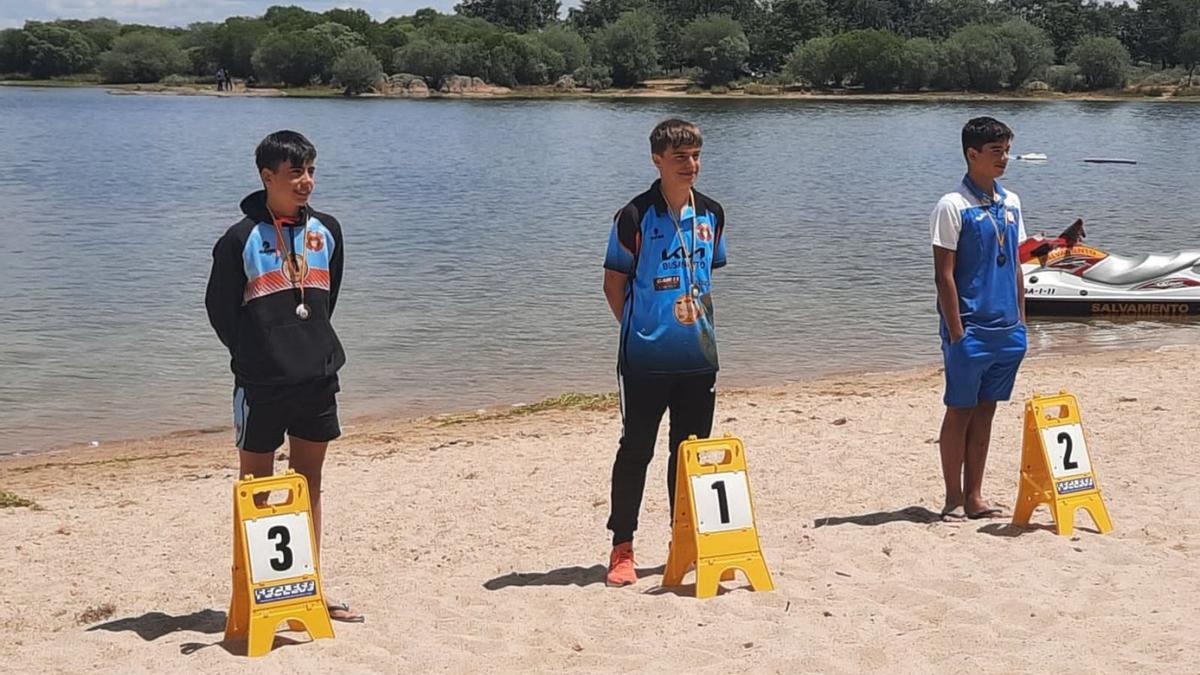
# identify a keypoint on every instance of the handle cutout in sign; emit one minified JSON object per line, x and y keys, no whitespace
{"x":275,"y":497}
{"x":1059,"y":412}
{"x":714,"y":457}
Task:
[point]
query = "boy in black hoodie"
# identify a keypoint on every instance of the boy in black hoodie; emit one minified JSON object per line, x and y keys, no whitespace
{"x":274,"y":284}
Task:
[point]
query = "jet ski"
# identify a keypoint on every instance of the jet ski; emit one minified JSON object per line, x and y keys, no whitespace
{"x":1066,"y":278}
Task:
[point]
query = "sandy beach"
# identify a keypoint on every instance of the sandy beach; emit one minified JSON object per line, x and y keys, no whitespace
{"x":477,"y":543}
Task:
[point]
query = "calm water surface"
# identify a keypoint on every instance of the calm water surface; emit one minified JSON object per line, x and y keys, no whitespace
{"x":476,"y":229}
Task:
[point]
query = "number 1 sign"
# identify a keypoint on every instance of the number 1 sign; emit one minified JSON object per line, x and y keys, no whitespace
{"x":275,"y":574}
{"x":713,"y":524}
{"x":1056,"y":468}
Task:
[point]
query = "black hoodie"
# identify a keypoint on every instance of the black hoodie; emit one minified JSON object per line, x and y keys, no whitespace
{"x":252,"y":304}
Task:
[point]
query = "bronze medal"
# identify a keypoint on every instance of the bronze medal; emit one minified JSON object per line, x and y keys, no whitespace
{"x":295,"y":268}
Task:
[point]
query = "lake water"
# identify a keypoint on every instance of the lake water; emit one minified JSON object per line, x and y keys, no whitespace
{"x":476,"y":230}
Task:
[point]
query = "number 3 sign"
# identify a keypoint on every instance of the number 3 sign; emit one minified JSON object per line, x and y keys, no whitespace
{"x":275,"y":574}
{"x":1056,"y":468}
{"x":280,"y":547}
{"x":713,"y":524}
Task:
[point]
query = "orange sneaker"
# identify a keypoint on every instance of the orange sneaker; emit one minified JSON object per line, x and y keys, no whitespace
{"x":620,"y":566}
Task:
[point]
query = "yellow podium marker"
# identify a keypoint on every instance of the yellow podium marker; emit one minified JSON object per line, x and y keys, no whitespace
{"x":1056,"y":468}
{"x":276,"y":574}
{"x":713,"y":525}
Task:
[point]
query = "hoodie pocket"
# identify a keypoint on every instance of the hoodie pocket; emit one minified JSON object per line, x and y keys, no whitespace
{"x":300,"y":351}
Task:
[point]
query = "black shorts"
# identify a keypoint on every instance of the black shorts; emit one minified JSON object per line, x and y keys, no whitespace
{"x":262,"y":415}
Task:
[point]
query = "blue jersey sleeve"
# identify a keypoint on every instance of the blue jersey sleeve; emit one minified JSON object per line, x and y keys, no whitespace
{"x":623,"y":242}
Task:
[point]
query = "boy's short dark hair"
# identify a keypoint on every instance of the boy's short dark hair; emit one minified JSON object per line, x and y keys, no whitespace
{"x":674,"y":133}
{"x":284,"y":146}
{"x":980,"y":131}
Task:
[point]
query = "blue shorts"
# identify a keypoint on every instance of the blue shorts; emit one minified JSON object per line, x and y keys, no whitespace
{"x":982,"y":366}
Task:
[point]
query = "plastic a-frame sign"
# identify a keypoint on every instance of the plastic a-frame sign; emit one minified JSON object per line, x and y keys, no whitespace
{"x":713,"y":527}
{"x":276,"y":574}
{"x":1056,"y":468}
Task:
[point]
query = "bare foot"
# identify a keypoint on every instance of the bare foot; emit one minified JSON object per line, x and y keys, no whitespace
{"x":340,"y":611}
{"x":982,"y":510}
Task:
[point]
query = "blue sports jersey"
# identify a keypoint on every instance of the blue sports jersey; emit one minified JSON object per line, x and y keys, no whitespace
{"x":966,"y":222}
{"x":663,"y":330}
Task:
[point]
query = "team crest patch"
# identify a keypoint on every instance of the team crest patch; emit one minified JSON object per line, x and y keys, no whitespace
{"x":314,"y":242}
{"x":703,"y":232}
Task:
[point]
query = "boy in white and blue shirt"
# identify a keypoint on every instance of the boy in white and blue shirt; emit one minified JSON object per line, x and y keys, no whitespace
{"x":976,"y":231}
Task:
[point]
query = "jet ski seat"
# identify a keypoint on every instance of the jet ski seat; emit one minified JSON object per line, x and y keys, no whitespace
{"x":1120,"y":270}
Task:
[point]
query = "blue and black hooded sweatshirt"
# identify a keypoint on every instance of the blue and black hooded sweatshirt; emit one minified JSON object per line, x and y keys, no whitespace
{"x":252,"y":303}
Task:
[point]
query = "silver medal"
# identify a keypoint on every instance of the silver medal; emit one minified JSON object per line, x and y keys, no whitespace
{"x":302,"y":311}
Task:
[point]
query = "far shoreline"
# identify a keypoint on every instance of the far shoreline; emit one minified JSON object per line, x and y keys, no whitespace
{"x":661,"y":90}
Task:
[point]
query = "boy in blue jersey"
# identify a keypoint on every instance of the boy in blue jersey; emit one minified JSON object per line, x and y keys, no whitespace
{"x":658,"y":281}
{"x":976,"y":231}
{"x":275,"y":279}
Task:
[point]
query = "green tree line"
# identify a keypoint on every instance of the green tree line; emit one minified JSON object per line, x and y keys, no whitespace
{"x":879,"y":45}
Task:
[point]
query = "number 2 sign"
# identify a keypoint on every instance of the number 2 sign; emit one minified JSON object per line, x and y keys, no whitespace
{"x":1067,"y":450}
{"x":1056,"y":467}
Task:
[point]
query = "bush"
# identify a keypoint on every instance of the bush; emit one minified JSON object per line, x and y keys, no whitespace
{"x":430,"y":58}
{"x":14,"y":44}
{"x":537,"y":63}
{"x":1064,"y":78}
{"x":569,"y":44}
{"x":1187,"y":50}
{"x":719,"y":89}
{"x":142,"y":57}
{"x":357,"y":70}
{"x":290,"y":58}
{"x":594,"y":78}
{"x":919,"y":62}
{"x":1103,"y":62}
{"x":1144,"y":76}
{"x":51,"y":50}
{"x":759,"y":89}
{"x":871,"y":57}
{"x":629,"y":47}
{"x":718,"y":46}
{"x":1030,"y":47}
{"x":502,"y":66}
{"x":178,"y":80}
{"x":977,"y":57}
{"x":809,"y":62}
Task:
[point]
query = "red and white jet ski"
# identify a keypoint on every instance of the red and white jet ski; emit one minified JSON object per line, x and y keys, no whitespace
{"x":1065,"y":278}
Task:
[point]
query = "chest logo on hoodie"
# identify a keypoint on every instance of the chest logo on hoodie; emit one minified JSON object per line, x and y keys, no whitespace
{"x":314,"y":241}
